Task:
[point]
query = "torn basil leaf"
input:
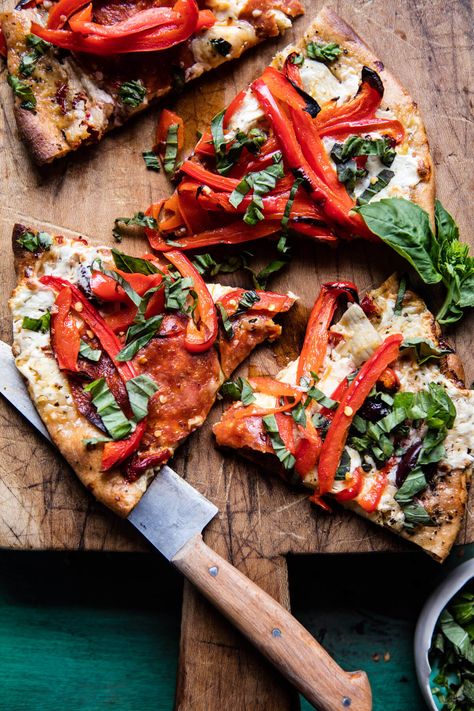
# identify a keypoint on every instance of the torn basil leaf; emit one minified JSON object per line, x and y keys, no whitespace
{"x":151,"y":161}
{"x":138,"y":336}
{"x":171,"y":149}
{"x":315,"y":394}
{"x":35,"y":241}
{"x":326,"y":53}
{"x":425,"y":349}
{"x":261,"y":182}
{"x":402,"y":288}
{"x":283,"y":454}
{"x":139,"y":219}
{"x":381,"y":182}
{"x":228,"y":152}
{"x":344,"y":465}
{"x":177,"y":292}
{"x":221,"y":46}
{"x":205,"y":263}
{"x":37,"y":324}
{"x":356,"y":146}
{"x":117,"y":425}
{"x":416,"y":515}
{"x":133,"y":265}
{"x":132,"y":93}
{"x":225,"y":320}
{"x":28,"y":61}
{"x":140,"y":389}
{"x":238,"y":389}
{"x":86,"y":351}
{"x":413,"y":484}
{"x":23,"y":91}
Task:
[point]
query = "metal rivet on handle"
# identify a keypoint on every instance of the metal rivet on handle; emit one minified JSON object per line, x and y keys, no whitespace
{"x":276,"y":632}
{"x":213,"y":571}
{"x":346,"y":701}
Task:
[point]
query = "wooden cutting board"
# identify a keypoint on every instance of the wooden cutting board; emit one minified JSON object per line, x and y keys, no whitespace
{"x":429,"y":46}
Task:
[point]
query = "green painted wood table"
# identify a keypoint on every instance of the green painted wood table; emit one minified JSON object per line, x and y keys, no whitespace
{"x":92,"y":631}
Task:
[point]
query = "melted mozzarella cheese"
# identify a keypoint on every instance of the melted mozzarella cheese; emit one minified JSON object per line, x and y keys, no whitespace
{"x":248,"y":115}
{"x":323,"y":85}
{"x":239,"y":33}
{"x":405,"y":167}
{"x":360,"y":339}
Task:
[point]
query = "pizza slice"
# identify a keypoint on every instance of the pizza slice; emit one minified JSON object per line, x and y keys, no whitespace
{"x":79,"y":70}
{"x":373,"y":414}
{"x":124,"y":356}
{"x":324,"y":129}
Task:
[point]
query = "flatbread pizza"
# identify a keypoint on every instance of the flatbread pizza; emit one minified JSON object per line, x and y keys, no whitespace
{"x":373,"y":414}
{"x":124,"y":356}
{"x":325,"y":129}
{"x":78,"y":70}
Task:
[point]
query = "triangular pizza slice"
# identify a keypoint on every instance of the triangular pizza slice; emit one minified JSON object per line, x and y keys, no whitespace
{"x":373,"y":414}
{"x":325,"y":129}
{"x":79,"y":69}
{"x":124,"y":356}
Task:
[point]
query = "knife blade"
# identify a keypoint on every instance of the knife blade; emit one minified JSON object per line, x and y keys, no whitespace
{"x":172,"y":515}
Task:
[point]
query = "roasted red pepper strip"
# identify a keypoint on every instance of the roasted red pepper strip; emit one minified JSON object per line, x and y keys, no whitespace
{"x":352,"y":400}
{"x":362,"y":106}
{"x":389,"y":127}
{"x":107,"y":289}
{"x":235,"y":233}
{"x":268,"y":301}
{"x":286,"y":428}
{"x":198,"y":338}
{"x":167,"y":119}
{"x":151,"y":40}
{"x":65,"y":336}
{"x":353,"y":488}
{"x":317,"y":331}
{"x":61,"y":11}
{"x":295,"y":159}
{"x":207,"y":177}
{"x":114,"y":453}
{"x":143,"y":20}
{"x":307,"y":449}
{"x":271,"y":386}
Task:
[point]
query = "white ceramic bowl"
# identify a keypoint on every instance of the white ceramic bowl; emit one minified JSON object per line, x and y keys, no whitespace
{"x":427,"y":620}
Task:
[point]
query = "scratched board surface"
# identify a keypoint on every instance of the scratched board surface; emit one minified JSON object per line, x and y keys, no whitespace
{"x":429,"y":46}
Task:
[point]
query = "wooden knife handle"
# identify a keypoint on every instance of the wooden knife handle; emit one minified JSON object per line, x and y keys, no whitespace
{"x":274,"y":631}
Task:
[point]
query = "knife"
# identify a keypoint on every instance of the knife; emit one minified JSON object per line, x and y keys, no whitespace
{"x":172,"y":515}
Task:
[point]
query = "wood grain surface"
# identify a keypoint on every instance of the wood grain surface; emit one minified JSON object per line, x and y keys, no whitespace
{"x":428,"y":44}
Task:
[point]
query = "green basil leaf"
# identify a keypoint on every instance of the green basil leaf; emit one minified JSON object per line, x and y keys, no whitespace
{"x":413,"y":484}
{"x":138,"y":220}
{"x":90,"y":353}
{"x":405,"y":227}
{"x":29,"y":59}
{"x":140,"y":389}
{"x":138,"y":336}
{"x":177,"y":292}
{"x":151,"y":161}
{"x":402,"y":288}
{"x":381,"y":182}
{"x":425,"y":349}
{"x":132,"y":93}
{"x":225,"y":320}
{"x":358,"y":146}
{"x":283,"y":454}
{"x":315,"y":394}
{"x":91,"y":441}
{"x":37,"y":324}
{"x":289,"y":205}
{"x":171,"y":149}
{"x":23,"y":91}
{"x":117,"y":425}
{"x":327,"y":52}
{"x":260,"y":279}
{"x":344,"y":465}
{"x":221,"y":46}
{"x":298,"y":413}
{"x":416,"y":515}
{"x":261,"y":182}
{"x":35,"y":241}
{"x":238,"y":389}
{"x":133,"y":265}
